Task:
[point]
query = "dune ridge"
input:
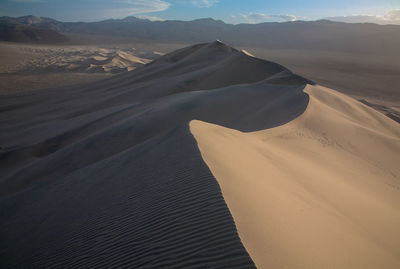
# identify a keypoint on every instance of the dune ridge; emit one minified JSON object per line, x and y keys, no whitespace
{"x":70,"y":129}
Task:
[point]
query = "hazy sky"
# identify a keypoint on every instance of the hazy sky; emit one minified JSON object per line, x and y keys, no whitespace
{"x":232,"y":11}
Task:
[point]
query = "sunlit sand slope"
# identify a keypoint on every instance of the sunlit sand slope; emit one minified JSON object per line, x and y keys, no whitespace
{"x":322,"y":191}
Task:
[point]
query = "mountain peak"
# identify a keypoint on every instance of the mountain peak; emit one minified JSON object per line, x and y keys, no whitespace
{"x":208,"y":21}
{"x":30,"y":19}
{"x":219,"y":43}
{"x":133,"y":19}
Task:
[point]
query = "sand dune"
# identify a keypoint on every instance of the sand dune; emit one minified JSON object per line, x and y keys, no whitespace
{"x":196,"y":160}
{"x":175,"y":89}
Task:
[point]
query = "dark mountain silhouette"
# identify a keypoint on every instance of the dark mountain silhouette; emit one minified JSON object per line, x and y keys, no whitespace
{"x":16,"y":32}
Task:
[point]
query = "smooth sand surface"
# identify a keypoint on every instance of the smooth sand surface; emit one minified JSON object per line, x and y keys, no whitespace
{"x":319,"y":192}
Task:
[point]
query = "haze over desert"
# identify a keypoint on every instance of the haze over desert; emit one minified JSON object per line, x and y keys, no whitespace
{"x":134,"y":143}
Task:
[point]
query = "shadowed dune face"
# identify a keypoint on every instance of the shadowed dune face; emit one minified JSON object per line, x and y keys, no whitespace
{"x":72,"y":128}
{"x":155,"y":205}
{"x":109,"y":174}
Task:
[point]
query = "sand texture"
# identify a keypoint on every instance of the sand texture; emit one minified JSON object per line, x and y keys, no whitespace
{"x":207,"y":157}
{"x":154,"y":205}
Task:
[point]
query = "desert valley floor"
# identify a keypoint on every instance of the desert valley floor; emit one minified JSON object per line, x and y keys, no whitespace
{"x":206,"y":157}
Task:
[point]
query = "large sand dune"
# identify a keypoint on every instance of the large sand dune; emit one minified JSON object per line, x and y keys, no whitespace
{"x":117,"y":174}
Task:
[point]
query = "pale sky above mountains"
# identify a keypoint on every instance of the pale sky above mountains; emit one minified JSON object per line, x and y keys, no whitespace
{"x":230,"y":11}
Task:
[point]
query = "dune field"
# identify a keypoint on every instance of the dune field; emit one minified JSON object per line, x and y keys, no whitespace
{"x":206,"y":157}
{"x":28,"y":67}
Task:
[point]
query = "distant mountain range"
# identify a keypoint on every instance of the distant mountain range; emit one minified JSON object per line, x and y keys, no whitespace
{"x":323,"y":34}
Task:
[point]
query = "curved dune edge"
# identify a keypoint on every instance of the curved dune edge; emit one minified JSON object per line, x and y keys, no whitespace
{"x":126,"y":212}
{"x":320,"y":191}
